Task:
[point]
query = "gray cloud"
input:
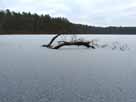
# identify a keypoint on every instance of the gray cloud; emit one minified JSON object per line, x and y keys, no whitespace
{"x":92,"y":12}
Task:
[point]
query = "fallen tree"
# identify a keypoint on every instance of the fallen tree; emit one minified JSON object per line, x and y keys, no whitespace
{"x":78,"y":43}
{"x":68,"y":43}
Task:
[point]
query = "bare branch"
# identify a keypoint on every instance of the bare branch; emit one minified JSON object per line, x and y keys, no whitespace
{"x":52,"y":40}
{"x":66,"y":43}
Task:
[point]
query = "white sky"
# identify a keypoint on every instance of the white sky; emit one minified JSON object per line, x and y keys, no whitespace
{"x":91,"y":12}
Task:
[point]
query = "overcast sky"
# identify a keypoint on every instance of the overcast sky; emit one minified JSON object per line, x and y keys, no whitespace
{"x":91,"y":12}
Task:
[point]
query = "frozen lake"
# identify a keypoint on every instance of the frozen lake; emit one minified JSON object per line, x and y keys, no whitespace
{"x":31,"y":73}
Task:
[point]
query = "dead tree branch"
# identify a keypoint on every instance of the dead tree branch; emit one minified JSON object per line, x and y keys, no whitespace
{"x":52,"y":40}
{"x":78,"y":43}
{"x":66,"y":43}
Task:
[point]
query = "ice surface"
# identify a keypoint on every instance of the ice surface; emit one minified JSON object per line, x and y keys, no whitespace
{"x":30,"y":73}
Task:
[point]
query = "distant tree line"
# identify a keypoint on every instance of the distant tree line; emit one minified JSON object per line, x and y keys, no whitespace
{"x":26,"y":23}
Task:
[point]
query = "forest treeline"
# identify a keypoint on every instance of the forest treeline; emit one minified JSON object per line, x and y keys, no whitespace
{"x":26,"y":23}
